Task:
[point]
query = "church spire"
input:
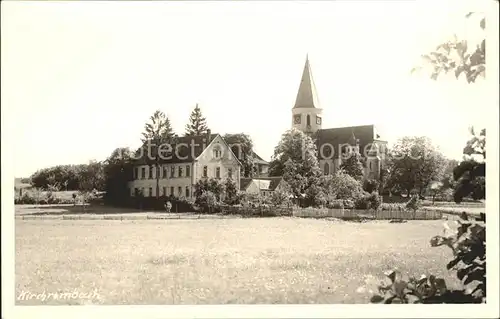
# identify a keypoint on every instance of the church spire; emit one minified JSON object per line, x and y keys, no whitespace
{"x":307,"y":96}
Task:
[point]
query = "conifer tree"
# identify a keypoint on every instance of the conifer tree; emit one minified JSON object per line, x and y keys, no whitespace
{"x":353,"y":166}
{"x":197,"y":123}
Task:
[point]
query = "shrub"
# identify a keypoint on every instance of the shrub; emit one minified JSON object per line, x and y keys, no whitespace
{"x":468,"y":244}
{"x":375,"y":200}
{"x":362,"y":202}
{"x":371,"y":185}
{"x":393,"y":206}
{"x":414,"y":203}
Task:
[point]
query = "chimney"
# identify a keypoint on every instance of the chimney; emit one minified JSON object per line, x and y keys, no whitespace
{"x":209,"y":135}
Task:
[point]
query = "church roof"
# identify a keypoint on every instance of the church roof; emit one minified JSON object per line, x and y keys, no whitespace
{"x":344,"y":135}
{"x":307,"y":96}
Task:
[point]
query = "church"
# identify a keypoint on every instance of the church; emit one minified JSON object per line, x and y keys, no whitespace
{"x":333,"y":144}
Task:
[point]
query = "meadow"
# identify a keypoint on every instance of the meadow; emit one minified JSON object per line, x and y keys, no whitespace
{"x":220,"y":261}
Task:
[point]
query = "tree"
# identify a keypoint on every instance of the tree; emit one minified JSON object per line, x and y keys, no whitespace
{"x":242,"y":146}
{"x":92,"y":176}
{"x":459,"y":56}
{"x":157,"y":131}
{"x":118,"y":172}
{"x":345,"y":186}
{"x":470,"y":173}
{"x":296,"y":153}
{"x":415,"y":162}
{"x":462,"y":58}
{"x":231,"y":191}
{"x":197,"y":123}
{"x":353,"y":166}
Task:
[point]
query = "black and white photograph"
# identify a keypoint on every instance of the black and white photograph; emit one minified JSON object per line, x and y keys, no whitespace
{"x":319,"y":158}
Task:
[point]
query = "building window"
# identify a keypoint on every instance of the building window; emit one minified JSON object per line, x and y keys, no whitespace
{"x":150,"y":192}
{"x":172,"y":172}
{"x":370,"y":166}
{"x":151,"y":172}
{"x":165,"y":172}
{"x":172,"y":191}
{"x":327,"y":169}
{"x":217,"y":172}
{"x":136,"y":173}
{"x":136,"y":192}
{"x":143,"y":173}
{"x":217,"y":152}
{"x":179,"y":190}
{"x":205,"y":171}
{"x":164,"y":191}
{"x":308,"y":120}
{"x":188,"y":170}
{"x":230,"y":173}
{"x":187,"y":191}
{"x":180,"y":171}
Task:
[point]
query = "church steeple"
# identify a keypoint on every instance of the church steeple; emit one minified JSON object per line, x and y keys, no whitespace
{"x":307,"y":96}
{"x":306,"y":113}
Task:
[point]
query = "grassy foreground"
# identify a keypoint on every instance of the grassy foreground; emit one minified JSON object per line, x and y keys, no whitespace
{"x":224,"y":261}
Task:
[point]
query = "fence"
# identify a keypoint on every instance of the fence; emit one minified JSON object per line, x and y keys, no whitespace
{"x":267,"y":211}
{"x":353,"y":213}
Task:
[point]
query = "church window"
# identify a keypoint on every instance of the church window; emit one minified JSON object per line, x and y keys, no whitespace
{"x":205,"y":171}
{"x":318,"y":120}
{"x":327,"y":169}
{"x":308,"y":120}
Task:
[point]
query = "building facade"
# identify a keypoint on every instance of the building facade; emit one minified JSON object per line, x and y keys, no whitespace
{"x":190,"y":159}
{"x":335,"y":144}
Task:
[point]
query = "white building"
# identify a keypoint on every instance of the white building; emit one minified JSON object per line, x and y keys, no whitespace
{"x":190,"y":159}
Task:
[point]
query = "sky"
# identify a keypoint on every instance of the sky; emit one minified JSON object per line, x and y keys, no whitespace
{"x":80,"y":79}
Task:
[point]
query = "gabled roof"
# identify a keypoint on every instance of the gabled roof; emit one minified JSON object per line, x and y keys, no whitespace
{"x":307,"y":96}
{"x":185,"y":149}
{"x":244,"y":182}
{"x":264,"y":183}
{"x":344,"y":135}
{"x":257,"y":159}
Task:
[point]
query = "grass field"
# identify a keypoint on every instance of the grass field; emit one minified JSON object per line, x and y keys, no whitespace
{"x":223,"y":261}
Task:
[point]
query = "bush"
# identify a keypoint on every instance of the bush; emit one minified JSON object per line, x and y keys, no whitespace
{"x":414,"y":203}
{"x":371,"y":185}
{"x":37,"y":197}
{"x":368,"y":201}
{"x":468,"y":244}
{"x":393,"y":206}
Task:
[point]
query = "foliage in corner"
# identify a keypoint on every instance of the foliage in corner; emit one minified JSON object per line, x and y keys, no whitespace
{"x":468,"y":244}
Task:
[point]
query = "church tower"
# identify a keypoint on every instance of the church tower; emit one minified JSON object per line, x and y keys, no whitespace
{"x":306,"y":114}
